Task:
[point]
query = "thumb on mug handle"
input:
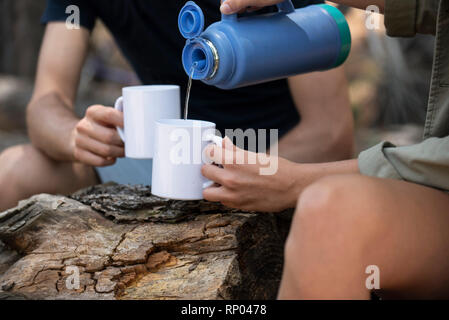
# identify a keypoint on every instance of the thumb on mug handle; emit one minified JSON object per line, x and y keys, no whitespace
{"x":219,"y":142}
{"x":215,"y":139}
{"x":119,"y":106}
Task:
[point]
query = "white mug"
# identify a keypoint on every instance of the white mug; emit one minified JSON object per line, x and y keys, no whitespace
{"x":179,"y":156}
{"x":142,"y":106}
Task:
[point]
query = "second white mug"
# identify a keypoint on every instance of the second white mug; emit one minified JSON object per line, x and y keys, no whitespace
{"x":179,"y":156}
{"x":142,"y":106}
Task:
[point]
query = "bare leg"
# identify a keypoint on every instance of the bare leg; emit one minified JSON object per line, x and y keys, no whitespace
{"x":25,"y":171}
{"x":345,"y":223}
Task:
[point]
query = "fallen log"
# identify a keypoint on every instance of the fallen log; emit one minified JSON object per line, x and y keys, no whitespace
{"x":120,"y":242}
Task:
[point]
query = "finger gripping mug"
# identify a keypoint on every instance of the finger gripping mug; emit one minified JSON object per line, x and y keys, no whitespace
{"x":179,"y":156}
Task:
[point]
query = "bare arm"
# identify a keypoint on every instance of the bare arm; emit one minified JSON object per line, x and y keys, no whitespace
{"x":325,"y":132}
{"x":233,"y":6}
{"x":52,"y":124}
{"x":50,"y":115}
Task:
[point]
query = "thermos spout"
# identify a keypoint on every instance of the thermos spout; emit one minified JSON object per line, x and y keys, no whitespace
{"x":201,"y":55}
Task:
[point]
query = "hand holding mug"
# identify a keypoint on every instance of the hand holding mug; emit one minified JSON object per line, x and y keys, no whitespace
{"x":240,"y":184}
{"x":95,"y":140}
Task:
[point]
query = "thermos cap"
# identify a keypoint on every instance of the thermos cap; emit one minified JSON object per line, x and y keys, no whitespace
{"x":344,"y":32}
{"x":191,"y":20}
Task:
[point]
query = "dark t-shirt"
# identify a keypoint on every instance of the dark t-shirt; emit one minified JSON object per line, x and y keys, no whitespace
{"x":147,"y":33}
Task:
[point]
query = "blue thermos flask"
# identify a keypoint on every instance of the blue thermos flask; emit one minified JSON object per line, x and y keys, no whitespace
{"x":241,"y":51}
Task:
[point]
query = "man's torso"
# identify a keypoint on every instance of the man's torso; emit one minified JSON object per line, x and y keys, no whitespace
{"x":147,"y":33}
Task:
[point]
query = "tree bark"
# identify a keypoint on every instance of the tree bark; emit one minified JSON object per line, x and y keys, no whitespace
{"x":128,"y":244}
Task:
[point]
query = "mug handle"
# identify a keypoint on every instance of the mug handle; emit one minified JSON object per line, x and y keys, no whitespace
{"x":219,"y":142}
{"x":119,"y":106}
{"x":215,"y":139}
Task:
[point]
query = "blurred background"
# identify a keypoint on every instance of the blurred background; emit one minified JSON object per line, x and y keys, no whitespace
{"x":389,"y":77}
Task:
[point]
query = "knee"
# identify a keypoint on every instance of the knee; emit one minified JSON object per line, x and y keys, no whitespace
{"x":12,"y":163}
{"x":332,"y":214}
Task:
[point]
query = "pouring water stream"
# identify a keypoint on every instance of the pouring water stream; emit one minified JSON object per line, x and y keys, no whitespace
{"x":189,"y":87}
